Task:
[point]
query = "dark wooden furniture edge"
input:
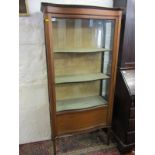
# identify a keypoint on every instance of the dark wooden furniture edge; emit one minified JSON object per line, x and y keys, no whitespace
{"x":127,"y":83}
{"x":127,"y":68}
{"x":43,"y":4}
{"x":127,"y":46}
{"x":123,"y":148}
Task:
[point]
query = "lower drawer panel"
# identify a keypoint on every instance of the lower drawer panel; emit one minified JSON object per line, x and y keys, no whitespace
{"x":70,"y":122}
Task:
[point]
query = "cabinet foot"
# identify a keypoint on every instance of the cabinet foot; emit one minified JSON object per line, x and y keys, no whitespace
{"x":54,"y":146}
{"x":108,"y":135}
{"x":105,"y":139}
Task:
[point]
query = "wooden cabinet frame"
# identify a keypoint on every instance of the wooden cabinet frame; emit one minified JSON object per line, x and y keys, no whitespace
{"x":82,"y":12}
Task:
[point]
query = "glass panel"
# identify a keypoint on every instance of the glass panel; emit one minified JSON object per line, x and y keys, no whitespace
{"x":108,"y":43}
{"x":82,"y":53}
{"x":82,"y":34}
{"x":105,"y":89}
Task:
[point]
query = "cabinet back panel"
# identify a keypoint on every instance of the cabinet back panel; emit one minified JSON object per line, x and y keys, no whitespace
{"x":77,"y":90}
{"x":73,"y":64}
{"x":77,"y":33}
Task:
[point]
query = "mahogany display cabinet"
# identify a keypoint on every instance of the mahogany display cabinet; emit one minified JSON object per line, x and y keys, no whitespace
{"x":81,"y":50}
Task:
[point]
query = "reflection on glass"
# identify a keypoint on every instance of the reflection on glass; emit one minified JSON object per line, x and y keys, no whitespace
{"x":81,"y":33}
{"x":105,"y":89}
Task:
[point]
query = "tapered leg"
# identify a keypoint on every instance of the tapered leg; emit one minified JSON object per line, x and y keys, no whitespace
{"x":108,"y":135}
{"x":54,"y":146}
{"x":101,"y":135}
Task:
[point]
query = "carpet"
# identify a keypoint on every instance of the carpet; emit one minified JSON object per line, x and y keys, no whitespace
{"x":83,"y":144}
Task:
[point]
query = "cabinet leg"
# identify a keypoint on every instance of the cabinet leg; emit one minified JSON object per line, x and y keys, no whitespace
{"x":54,"y":146}
{"x":108,"y":135}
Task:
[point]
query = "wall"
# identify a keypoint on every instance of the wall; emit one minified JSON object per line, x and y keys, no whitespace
{"x":34,"y":121}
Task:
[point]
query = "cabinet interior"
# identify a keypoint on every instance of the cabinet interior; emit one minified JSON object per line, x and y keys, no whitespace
{"x":82,"y":61}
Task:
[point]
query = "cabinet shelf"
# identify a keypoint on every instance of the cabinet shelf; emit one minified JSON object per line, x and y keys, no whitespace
{"x":80,"y":103}
{"x":81,"y":50}
{"x":80,"y":78}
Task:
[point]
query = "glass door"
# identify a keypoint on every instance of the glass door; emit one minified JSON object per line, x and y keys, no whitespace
{"x":82,"y":61}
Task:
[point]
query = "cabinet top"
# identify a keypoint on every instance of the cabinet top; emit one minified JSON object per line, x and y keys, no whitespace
{"x":49,"y":8}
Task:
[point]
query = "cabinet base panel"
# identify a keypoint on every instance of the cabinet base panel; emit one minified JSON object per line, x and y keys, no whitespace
{"x":76,"y":121}
{"x":94,"y":129}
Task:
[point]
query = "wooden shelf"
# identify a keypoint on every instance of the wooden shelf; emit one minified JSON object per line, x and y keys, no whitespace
{"x":80,"y":103}
{"x":80,"y":78}
{"x":80,"y":50}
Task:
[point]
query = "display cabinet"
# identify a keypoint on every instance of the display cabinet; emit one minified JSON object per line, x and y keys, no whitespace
{"x":82,"y":50}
